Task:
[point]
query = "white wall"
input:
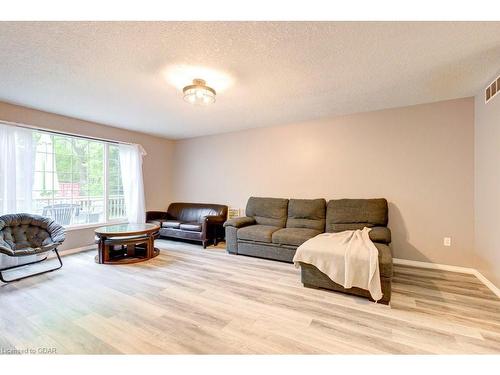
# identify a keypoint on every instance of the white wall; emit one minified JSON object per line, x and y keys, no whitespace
{"x":487,"y":189}
{"x":420,"y":158}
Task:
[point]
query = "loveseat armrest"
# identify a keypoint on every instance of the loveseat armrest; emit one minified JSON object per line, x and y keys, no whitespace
{"x":380,"y":235}
{"x":214,"y":219}
{"x":211,"y":220}
{"x":156,"y":215}
{"x":240,"y":222}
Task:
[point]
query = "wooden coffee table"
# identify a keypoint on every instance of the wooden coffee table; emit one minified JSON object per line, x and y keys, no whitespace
{"x":126,"y":243}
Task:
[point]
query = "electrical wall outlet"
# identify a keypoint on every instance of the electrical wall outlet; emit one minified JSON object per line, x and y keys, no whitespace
{"x":235,"y":212}
{"x":447,"y":241}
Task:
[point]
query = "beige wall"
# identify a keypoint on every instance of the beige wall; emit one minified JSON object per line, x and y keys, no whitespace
{"x":157,"y":173}
{"x":420,"y":158}
{"x":487,"y":190}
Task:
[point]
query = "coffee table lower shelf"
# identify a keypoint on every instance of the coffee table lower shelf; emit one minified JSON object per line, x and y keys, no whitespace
{"x":122,"y":257}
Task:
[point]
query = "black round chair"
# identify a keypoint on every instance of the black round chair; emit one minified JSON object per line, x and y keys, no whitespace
{"x":26,"y":234}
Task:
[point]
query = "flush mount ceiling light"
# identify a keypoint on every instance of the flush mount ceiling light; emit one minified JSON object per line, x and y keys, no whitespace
{"x":199,"y":93}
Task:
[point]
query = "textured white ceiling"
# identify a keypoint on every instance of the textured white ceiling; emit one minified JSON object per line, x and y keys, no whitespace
{"x":117,"y":73}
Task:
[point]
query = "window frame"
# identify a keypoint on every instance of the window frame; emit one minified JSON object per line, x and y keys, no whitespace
{"x":106,"y":144}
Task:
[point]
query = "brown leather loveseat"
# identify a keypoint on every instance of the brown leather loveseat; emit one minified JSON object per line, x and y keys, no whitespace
{"x":191,"y":221}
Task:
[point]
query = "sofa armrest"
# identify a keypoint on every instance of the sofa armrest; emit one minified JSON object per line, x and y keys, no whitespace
{"x":213,"y":219}
{"x":240,"y":222}
{"x":156,"y":215}
{"x":380,"y":235}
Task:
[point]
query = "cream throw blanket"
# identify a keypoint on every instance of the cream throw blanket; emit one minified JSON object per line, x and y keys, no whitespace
{"x":349,"y":258}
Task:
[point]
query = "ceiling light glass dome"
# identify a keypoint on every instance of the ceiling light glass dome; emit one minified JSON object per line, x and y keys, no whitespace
{"x":199,"y":93}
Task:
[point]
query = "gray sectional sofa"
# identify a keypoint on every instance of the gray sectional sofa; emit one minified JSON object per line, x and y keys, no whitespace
{"x":273,"y":228}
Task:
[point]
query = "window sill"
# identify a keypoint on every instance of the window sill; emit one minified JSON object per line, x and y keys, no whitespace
{"x":71,"y":228}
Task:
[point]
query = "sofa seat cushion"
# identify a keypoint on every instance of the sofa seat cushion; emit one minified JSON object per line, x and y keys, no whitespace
{"x":172,"y":224}
{"x":294,"y":236}
{"x":193,"y":227}
{"x":259,"y":233}
{"x":384,"y":260}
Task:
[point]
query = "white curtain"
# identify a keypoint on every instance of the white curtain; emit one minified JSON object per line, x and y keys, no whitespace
{"x":133,"y":185}
{"x":17,"y":157}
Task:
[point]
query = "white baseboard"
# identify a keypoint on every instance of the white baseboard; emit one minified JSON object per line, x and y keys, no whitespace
{"x":487,"y":282}
{"x":73,"y":251}
{"x":446,"y":267}
{"x":77,"y":250}
{"x":435,"y":266}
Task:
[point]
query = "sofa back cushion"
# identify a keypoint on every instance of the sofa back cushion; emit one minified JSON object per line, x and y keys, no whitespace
{"x":195,"y":212}
{"x":306,"y":213}
{"x":268,"y":211}
{"x":351,"y":214}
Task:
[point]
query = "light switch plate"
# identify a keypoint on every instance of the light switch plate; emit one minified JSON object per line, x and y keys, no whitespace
{"x":447,"y":241}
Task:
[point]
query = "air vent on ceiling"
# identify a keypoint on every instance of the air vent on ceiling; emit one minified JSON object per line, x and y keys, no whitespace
{"x":492,"y":89}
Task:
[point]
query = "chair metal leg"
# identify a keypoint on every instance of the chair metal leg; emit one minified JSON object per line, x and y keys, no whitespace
{"x":33,"y":274}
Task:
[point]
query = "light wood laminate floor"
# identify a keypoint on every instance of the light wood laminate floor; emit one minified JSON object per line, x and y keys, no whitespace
{"x":190,"y":300}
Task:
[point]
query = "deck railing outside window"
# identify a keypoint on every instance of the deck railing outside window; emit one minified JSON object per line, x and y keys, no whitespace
{"x":74,"y":180}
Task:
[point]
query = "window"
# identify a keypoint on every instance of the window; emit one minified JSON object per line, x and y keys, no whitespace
{"x":76,"y":181}
{"x":116,"y":202}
